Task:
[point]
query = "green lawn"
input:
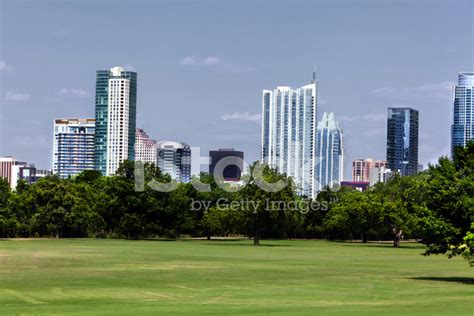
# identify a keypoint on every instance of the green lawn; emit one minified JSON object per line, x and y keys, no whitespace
{"x":195,"y":277}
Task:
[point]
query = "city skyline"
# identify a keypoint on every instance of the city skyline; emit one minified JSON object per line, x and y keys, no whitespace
{"x":223,"y":106}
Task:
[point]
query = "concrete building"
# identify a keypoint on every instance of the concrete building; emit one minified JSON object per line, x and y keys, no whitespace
{"x":361,"y":168}
{"x":145,"y":148}
{"x":289,"y":118}
{"x":73,"y":146}
{"x":14,"y":171}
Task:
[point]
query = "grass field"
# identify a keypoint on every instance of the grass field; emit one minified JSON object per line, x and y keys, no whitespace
{"x":231,"y":277}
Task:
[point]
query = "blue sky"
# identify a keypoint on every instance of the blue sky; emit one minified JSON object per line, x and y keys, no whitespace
{"x":203,"y":64}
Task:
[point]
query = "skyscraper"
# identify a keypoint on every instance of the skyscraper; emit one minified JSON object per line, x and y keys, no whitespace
{"x":73,"y":146}
{"x":174,"y":158}
{"x":289,"y":133}
{"x":329,"y":152}
{"x":402,"y":140}
{"x":234,"y":169}
{"x":463,"y":110}
{"x":145,"y":148}
{"x":115,"y":113}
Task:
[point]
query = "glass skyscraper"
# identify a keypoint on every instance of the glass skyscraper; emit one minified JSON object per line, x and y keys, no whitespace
{"x":174,"y":158}
{"x":402,"y":140}
{"x":289,"y":133}
{"x":115,"y":113}
{"x":73,"y":146}
{"x":463,"y":117}
{"x":329,"y":153}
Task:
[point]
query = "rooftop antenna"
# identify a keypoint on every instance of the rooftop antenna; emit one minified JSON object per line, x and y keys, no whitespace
{"x":314,"y":74}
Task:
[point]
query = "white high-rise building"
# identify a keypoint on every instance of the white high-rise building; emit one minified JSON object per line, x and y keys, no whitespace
{"x":145,"y":148}
{"x":118,"y":120}
{"x":115,"y":113}
{"x":289,"y":133}
{"x":330,"y":153}
{"x":462,"y":129}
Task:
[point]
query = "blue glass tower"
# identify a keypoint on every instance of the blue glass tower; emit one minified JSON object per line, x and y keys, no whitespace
{"x":402,"y":140}
{"x":330,"y":153}
{"x":463,"y":117}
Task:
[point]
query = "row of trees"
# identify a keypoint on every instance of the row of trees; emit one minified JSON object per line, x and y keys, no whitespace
{"x":435,"y":206}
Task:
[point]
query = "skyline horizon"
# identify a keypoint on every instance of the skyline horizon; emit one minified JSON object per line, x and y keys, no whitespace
{"x":195,"y":86}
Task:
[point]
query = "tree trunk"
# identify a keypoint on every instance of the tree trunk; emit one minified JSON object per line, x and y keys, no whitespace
{"x":208,"y":237}
{"x":397,"y":234}
{"x":256,"y":238}
{"x":364,"y":238}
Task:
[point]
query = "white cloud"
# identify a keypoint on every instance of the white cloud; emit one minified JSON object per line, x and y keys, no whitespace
{"x":60,"y":33}
{"x":321,"y":100}
{"x":3,"y":65}
{"x":366,"y":117}
{"x":212,"y":61}
{"x":194,"y":61}
{"x":129,"y":67}
{"x":14,"y":96}
{"x":441,"y":90}
{"x":245,"y":116}
{"x":31,"y":141}
{"x":73,"y":92}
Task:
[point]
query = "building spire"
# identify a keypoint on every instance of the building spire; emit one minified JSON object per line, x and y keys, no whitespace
{"x":314,"y":74}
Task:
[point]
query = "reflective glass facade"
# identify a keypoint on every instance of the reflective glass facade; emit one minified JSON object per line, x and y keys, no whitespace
{"x":330,"y":153}
{"x":402,"y":140}
{"x":463,"y":117}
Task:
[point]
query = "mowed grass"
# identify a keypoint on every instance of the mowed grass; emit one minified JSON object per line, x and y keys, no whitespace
{"x":197,"y":277}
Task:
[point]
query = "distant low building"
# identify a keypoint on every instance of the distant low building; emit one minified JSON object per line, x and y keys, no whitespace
{"x":14,"y":171}
{"x":234,"y":167}
{"x":379,"y":174}
{"x":358,"y":185}
{"x":174,"y":158}
{"x":28,"y":173}
{"x":361,"y":168}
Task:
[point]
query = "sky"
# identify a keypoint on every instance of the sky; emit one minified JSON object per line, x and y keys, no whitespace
{"x":202,"y":66}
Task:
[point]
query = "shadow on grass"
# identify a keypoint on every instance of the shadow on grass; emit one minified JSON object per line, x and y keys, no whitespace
{"x":463,"y":280}
{"x":411,"y":245}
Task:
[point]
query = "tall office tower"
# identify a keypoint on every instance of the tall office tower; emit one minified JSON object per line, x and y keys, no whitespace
{"x":234,"y":166}
{"x":329,"y":152}
{"x":174,"y":158}
{"x":145,"y":148}
{"x":462,"y":129}
{"x":115,"y":114}
{"x":361,"y":168}
{"x":402,"y":140}
{"x":73,"y":146}
{"x":289,"y":133}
